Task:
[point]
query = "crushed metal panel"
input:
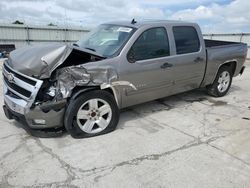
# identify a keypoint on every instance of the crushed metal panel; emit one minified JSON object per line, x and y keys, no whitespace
{"x":53,"y":59}
{"x":70,"y":77}
{"x":102,"y":75}
{"x":46,"y":59}
{"x":59,"y":56}
{"x":23,"y":60}
{"x":105,"y":77}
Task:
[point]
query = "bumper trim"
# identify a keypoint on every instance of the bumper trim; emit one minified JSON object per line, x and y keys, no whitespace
{"x":7,"y":113}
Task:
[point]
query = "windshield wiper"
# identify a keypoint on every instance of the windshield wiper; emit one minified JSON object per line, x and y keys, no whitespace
{"x":91,"y":49}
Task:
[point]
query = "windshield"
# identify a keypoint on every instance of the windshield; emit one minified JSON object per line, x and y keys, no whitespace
{"x":106,"y":39}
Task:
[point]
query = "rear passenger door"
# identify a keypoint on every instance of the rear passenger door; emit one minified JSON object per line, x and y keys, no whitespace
{"x":190,"y":58}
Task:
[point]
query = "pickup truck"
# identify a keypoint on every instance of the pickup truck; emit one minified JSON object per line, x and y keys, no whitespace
{"x":82,"y":87}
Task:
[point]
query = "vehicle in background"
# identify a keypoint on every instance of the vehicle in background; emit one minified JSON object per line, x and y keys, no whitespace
{"x":5,"y":49}
{"x":119,"y":64}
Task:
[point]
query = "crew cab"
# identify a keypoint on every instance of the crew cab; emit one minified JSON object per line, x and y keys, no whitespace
{"x":83,"y":86}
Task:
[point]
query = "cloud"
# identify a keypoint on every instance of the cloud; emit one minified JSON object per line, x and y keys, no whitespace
{"x":232,"y":17}
{"x":212,"y":15}
{"x":199,"y":13}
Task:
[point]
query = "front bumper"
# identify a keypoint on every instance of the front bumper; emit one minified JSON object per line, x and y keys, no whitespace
{"x":42,"y":133}
{"x":39,"y":117}
{"x":20,"y":93}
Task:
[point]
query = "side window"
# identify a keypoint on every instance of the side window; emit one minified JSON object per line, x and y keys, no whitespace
{"x":186,"y":39}
{"x":152,"y":43}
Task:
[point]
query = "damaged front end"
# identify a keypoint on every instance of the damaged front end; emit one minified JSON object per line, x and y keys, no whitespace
{"x":21,"y":102}
{"x":39,"y":88}
{"x":53,"y":96}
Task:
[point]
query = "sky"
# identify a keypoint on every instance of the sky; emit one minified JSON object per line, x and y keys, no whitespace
{"x":214,"y":16}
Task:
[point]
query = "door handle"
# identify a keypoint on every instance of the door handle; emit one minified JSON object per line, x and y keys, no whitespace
{"x":166,"y":65}
{"x":198,"y":59}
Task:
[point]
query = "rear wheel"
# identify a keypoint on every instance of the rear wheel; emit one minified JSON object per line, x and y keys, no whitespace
{"x":91,"y":114}
{"x":222,"y":82}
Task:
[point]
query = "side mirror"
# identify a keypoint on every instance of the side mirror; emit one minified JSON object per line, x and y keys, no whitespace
{"x":131,"y":56}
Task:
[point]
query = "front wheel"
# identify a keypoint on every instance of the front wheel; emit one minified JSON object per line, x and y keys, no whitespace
{"x":222,"y":82}
{"x":91,"y":114}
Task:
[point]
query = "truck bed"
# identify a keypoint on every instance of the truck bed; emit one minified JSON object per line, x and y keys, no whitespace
{"x":218,"y":43}
{"x":219,"y":52}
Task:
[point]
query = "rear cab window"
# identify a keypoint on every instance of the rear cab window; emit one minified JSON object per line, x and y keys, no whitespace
{"x":152,"y":43}
{"x":186,"y":39}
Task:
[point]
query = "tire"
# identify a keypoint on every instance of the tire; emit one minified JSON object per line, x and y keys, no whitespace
{"x":91,"y":114}
{"x":222,"y":82}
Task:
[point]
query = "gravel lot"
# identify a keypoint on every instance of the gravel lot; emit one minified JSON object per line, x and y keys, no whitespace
{"x":187,"y":140}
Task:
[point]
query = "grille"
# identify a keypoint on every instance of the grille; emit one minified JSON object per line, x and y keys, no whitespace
{"x":31,"y":82}
{"x":17,"y":88}
{"x":20,"y":85}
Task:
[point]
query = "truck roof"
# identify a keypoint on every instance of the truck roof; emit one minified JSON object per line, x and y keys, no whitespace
{"x":139,"y":24}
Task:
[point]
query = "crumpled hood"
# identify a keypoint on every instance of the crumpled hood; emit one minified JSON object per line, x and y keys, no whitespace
{"x":41,"y":60}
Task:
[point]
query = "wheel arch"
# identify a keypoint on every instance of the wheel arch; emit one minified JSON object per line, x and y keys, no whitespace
{"x":230,"y":63}
{"x":77,"y":91}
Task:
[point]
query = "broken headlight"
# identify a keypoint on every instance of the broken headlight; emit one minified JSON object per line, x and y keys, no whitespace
{"x":51,"y":91}
{"x":47,"y":92}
